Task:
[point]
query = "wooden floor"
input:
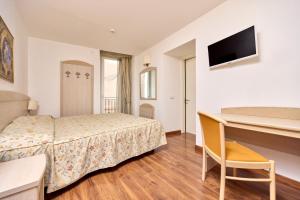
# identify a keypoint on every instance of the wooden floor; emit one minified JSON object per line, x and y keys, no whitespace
{"x":171,"y":172}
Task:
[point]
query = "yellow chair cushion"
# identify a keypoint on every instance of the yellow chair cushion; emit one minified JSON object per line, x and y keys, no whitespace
{"x":237,"y":152}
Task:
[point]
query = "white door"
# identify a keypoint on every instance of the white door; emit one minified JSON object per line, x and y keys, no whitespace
{"x":191,"y":96}
{"x":76,"y":89}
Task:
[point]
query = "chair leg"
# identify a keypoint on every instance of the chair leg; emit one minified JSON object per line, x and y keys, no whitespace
{"x":204,"y":164}
{"x":222,"y":184}
{"x":273,"y":182}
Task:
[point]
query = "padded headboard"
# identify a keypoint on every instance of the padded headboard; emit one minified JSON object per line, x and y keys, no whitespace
{"x":147,"y":111}
{"x":12,"y":105}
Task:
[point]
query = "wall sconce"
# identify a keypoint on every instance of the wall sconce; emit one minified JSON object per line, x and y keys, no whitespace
{"x":32,"y":106}
{"x":147,"y":61}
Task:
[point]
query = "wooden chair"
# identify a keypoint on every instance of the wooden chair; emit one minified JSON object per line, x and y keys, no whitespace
{"x":231,"y":154}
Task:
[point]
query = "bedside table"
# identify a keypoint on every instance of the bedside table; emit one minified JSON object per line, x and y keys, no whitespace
{"x":23,"y":178}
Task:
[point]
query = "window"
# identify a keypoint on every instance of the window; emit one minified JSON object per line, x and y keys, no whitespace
{"x":110,"y":85}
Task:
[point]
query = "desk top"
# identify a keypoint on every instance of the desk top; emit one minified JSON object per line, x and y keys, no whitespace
{"x":277,"y":123}
{"x":282,"y":121}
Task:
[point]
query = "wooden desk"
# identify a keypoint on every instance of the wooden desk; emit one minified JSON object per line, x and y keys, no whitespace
{"x":275,"y":126}
{"x":272,"y":120}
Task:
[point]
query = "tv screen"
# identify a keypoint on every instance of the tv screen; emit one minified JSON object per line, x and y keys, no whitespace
{"x":237,"y":46}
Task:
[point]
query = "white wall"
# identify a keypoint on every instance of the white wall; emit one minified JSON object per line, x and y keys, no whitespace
{"x":44,"y":59}
{"x":169,"y":89}
{"x":272,"y":80}
{"x":9,"y":14}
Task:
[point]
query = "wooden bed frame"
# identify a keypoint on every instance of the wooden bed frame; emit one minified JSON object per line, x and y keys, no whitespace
{"x":12,"y":105}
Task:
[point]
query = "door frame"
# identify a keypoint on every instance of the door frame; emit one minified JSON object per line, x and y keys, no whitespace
{"x":75,"y":62}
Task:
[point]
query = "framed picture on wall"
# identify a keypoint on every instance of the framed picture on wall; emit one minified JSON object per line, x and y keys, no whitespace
{"x":6,"y":53}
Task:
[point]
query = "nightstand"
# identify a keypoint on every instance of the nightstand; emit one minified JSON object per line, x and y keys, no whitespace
{"x":23,"y":178}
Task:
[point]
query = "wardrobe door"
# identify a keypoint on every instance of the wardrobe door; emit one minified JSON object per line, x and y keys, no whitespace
{"x":76,"y":89}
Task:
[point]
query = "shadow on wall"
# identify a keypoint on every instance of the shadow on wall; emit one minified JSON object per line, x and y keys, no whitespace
{"x":278,"y":143}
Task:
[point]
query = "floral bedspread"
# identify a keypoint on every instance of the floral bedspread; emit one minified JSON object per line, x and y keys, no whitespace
{"x":87,"y":143}
{"x":76,"y":146}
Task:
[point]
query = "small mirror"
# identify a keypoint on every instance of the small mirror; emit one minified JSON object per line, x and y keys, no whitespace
{"x":148,"y":84}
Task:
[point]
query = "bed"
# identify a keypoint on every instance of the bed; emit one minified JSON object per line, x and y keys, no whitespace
{"x":78,"y":145}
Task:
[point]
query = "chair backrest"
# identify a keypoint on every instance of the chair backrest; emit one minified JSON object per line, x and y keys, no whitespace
{"x":147,"y":111}
{"x":213,"y":133}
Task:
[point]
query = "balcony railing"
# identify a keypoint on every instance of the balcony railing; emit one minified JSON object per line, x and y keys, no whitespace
{"x":110,"y":105}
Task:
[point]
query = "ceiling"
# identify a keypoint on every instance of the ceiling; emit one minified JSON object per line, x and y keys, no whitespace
{"x":184,"y":51}
{"x":139,"y":24}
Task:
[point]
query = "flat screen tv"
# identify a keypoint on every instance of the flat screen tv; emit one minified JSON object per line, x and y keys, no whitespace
{"x":236,"y":47}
